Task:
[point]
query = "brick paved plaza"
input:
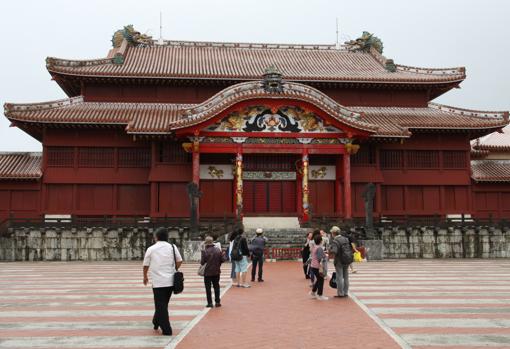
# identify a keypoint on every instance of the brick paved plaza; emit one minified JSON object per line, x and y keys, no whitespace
{"x":414,"y":303}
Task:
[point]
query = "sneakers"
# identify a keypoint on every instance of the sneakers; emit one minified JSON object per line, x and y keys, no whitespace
{"x":209,"y":305}
{"x":218,"y":305}
{"x":312,"y":294}
{"x":322,"y":298}
{"x":260,"y":280}
{"x":246,"y":286}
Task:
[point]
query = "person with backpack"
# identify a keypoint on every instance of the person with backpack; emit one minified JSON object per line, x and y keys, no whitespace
{"x":341,"y":248}
{"x":258,"y":243}
{"x":239,"y":255}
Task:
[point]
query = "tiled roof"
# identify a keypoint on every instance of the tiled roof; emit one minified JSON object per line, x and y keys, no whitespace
{"x":162,"y":118}
{"x":20,"y":166}
{"x":236,"y":61}
{"x":498,"y":141}
{"x":490,"y":170}
{"x":165,"y":117}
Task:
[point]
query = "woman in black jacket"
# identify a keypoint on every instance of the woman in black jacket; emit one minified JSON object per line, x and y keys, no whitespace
{"x":212,"y":257}
{"x":239,"y":256}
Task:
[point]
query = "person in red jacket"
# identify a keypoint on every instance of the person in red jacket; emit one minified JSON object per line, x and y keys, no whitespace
{"x":212,"y":257}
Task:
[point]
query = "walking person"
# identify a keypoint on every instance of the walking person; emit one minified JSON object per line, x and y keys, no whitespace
{"x":232,"y":237}
{"x":212,"y":258}
{"x":341,"y":248}
{"x":318,"y":268}
{"x":258,"y":244}
{"x":162,"y":260}
{"x":305,"y":254}
{"x":239,"y":255}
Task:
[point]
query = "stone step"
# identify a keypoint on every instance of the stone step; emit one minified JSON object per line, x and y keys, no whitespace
{"x":252,"y":223}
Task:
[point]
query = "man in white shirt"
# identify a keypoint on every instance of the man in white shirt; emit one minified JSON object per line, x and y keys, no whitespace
{"x":163,"y":260}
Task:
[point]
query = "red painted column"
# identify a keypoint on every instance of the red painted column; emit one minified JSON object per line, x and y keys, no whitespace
{"x":347,"y":187}
{"x":338,"y":186}
{"x":196,"y":170}
{"x":239,"y":184}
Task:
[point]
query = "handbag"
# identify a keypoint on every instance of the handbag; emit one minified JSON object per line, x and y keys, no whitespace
{"x":201,"y":269}
{"x":332,"y":281}
{"x":178,"y":277}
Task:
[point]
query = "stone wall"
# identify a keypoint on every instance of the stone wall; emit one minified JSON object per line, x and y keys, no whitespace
{"x":451,"y":242}
{"x":87,"y":244}
{"x":96,"y":244}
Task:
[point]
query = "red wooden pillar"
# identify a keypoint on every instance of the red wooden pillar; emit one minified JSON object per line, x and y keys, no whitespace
{"x":154,"y":186}
{"x":347,"y":187}
{"x":196,"y":170}
{"x":338,"y":186}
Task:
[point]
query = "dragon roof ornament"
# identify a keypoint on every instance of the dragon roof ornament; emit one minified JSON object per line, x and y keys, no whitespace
{"x":364,"y":43}
{"x":133,"y":37}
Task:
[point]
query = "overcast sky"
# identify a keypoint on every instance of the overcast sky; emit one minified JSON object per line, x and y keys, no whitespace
{"x":432,"y":33}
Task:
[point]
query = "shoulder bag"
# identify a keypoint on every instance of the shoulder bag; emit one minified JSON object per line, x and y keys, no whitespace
{"x":178,"y":276}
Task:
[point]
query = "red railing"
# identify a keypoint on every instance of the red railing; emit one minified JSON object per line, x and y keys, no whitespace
{"x":282,"y":253}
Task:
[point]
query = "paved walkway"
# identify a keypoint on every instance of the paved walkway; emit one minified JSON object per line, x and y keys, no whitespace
{"x":89,"y":305}
{"x":424,"y":304}
{"x":279,"y":314}
{"x":435,"y":304}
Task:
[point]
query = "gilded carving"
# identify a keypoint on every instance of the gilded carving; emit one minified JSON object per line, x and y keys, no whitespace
{"x":319,"y":173}
{"x":215,"y":172}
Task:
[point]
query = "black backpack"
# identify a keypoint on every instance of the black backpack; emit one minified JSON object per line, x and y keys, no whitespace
{"x":342,"y":249}
{"x":236,"y":254}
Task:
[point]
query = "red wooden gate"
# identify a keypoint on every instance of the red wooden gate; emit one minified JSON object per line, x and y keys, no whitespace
{"x":269,"y":197}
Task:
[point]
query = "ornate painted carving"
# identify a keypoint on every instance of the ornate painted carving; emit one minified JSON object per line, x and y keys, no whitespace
{"x":324,"y":173}
{"x":215,"y":172}
{"x":269,"y":175}
{"x":319,"y":173}
{"x":290,"y":119}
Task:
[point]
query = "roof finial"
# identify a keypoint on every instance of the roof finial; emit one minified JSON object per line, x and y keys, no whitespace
{"x":160,"y":40}
{"x":337,"y":44}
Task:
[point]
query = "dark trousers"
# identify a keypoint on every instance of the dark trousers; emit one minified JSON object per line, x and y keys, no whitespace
{"x":319,"y":282}
{"x":161,"y":298}
{"x":215,"y":281}
{"x":257,"y":260}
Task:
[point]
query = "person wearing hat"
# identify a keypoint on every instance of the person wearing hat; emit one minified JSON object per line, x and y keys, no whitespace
{"x":342,"y":270}
{"x":212,"y":258}
{"x":258,"y":243}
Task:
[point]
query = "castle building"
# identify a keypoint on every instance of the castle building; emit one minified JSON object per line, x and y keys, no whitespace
{"x":262,"y":129}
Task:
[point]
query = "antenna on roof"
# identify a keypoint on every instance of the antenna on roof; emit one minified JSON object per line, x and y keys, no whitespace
{"x":160,"y":40}
{"x":337,"y":45}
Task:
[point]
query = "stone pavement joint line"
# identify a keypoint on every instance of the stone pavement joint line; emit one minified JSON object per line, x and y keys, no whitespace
{"x":100,"y":305}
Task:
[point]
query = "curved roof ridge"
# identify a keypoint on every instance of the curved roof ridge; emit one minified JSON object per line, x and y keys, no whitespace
{"x":13,"y":107}
{"x":481,"y":114}
{"x":253,"y":45}
{"x":431,"y":71}
{"x":254,"y":89}
{"x":63,"y":62}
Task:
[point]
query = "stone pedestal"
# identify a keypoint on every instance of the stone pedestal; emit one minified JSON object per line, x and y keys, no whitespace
{"x":375,"y":249}
{"x":192,"y":251}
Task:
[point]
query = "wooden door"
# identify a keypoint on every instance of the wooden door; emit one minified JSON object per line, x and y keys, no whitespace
{"x":269,"y":197}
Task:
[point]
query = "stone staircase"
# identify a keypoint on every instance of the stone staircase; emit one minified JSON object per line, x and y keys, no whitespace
{"x":282,"y":238}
